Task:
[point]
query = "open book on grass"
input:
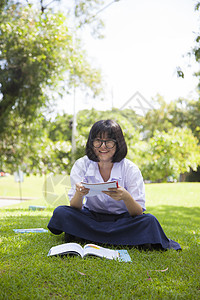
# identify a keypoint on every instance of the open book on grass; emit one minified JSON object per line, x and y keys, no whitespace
{"x":89,"y":250}
{"x":96,"y":188}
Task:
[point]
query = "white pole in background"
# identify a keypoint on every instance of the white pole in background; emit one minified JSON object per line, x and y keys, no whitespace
{"x":74,"y":100}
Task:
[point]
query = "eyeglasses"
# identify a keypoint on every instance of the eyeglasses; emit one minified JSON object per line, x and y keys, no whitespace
{"x":97,"y":143}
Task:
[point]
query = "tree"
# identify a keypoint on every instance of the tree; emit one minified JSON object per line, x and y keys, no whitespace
{"x":164,"y":155}
{"x":82,"y":12}
{"x":37,"y":51}
{"x":196,"y":49}
{"x":180,"y":113}
{"x":59,"y":129}
{"x":28,"y":147}
{"x":187,"y":114}
{"x":170,"y":154}
{"x":160,"y":118}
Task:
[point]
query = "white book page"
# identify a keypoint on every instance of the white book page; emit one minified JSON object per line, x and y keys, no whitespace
{"x":97,"y":188}
{"x":66,"y":248}
{"x":91,"y":249}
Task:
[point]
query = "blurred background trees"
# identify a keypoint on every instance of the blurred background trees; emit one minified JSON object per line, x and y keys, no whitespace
{"x":41,"y":59}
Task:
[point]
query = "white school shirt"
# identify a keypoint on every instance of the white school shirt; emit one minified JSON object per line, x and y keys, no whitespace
{"x":125,"y":172}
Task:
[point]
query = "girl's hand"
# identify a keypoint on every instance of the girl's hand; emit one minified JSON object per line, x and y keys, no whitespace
{"x":81,"y":190}
{"x":77,"y":200}
{"x":120,"y":193}
{"x":117,"y":194}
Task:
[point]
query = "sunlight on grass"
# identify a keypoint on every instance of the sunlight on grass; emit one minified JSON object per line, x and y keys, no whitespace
{"x":31,"y":187}
{"x":27,"y":273}
{"x":178,"y":194}
{"x":53,"y":193}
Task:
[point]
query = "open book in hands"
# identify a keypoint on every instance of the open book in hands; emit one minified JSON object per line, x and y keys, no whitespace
{"x":97,"y":188}
{"x":89,"y":250}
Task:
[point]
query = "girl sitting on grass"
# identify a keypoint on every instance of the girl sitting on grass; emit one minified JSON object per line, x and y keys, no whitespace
{"x":114,"y":217}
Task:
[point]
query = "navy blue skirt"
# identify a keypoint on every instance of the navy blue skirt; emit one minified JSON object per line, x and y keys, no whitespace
{"x":113,"y":229}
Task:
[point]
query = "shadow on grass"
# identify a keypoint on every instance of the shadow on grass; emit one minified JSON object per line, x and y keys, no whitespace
{"x":177,"y":212}
{"x":179,"y":223}
{"x":176,"y":215}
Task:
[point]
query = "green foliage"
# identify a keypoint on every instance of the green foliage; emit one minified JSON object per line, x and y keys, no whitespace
{"x":27,"y":146}
{"x":33,"y":55}
{"x":189,"y":116}
{"x":86,"y":12}
{"x":159,"y":119}
{"x":35,"y":149}
{"x":196,"y":48}
{"x":59,"y":129}
{"x":170,"y":154}
{"x":181,"y":113}
{"x":37,"y":51}
{"x":170,"y":120}
{"x":17,"y":143}
{"x":197,"y":6}
{"x":165,"y":154}
{"x":3,"y":4}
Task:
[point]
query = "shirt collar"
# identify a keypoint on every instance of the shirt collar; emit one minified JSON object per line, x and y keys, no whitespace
{"x":93,"y":171}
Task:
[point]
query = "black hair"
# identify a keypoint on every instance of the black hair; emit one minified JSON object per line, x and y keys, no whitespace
{"x":113,"y":131}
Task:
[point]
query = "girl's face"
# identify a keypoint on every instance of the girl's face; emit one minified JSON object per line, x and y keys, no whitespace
{"x":106,"y":150}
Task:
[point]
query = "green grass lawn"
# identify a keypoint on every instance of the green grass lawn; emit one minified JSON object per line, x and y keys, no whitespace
{"x":27,"y":273}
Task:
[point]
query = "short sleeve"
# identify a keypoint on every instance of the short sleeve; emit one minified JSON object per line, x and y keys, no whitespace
{"x":77,"y":175}
{"x":134,"y":184}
